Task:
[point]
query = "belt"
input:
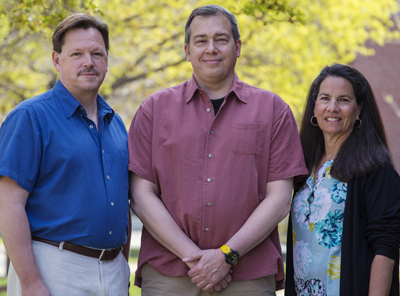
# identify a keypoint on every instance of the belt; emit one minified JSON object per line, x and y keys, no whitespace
{"x":100,"y":254}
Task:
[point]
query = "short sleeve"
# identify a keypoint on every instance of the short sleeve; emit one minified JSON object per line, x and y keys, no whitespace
{"x":382,"y":204}
{"x":21,"y":148}
{"x":140,"y":145}
{"x":286,"y":158}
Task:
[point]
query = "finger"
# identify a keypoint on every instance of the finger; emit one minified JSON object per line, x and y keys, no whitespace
{"x":201,"y":285}
{"x":228,"y":278}
{"x":217,"y":287}
{"x":210,"y":287}
{"x":195,"y":280}
{"x":223,"y":283}
{"x":192,"y":273}
{"x":193,"y":257}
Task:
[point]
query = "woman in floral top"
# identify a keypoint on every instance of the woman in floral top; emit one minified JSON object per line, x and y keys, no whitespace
{"x":344,"y":229}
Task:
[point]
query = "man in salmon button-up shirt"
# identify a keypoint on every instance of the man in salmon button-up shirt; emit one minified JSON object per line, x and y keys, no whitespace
{"x":213,"y":161}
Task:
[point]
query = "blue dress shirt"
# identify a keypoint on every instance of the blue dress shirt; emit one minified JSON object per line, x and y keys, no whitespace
{"x":76,"y":175}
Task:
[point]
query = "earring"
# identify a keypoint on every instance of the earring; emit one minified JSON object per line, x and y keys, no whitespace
{"x":357,"y":126}
{"x":314,"y":124}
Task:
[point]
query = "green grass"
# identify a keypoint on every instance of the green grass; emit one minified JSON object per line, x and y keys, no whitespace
{"x":133,"y":290}
{"x":3,"y":283}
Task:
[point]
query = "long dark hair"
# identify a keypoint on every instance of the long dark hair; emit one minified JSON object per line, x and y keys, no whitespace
{"x":365,"y":148}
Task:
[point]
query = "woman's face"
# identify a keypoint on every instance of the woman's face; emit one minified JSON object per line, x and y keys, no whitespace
{"x":336,"y":109}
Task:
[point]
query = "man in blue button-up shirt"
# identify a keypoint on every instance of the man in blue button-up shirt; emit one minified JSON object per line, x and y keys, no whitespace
{"x":64,"y":208}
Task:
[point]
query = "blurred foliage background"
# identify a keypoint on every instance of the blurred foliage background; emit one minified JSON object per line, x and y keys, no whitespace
{"x":285,"y":44}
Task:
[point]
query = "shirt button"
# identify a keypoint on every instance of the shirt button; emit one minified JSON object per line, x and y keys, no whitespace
{"x":210,"y":155}
{"x":108,"y":177}
{"x":110,"y":233}
{"x":209,"y":204}
{"x":212,"y":132}
{"x":81,"y":108}
{"x":112,"y":203}
{"x":208,"y":109}
{"x":209,"y":180}
{"x":80,"y":114}
{"x":91,"y":126}
{"x":201,"y":92}
{"x":207,"y":229}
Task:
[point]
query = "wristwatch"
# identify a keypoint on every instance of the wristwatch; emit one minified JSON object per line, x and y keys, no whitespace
{"x":231,"y":256}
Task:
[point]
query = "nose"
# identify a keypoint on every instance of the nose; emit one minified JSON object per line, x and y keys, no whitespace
{"x":88,"y":62}
{"x":333,"y":106}
{"x":211,"y":49}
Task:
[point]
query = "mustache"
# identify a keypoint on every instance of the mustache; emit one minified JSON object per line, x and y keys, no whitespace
{"x":92,"y":71}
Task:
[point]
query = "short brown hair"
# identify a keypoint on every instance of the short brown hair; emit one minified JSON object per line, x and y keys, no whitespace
{"x":211,"y":10}
{"x":78,"y":21}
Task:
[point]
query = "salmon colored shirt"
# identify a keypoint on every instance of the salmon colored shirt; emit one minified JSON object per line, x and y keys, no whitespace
{"x":212,"y":170}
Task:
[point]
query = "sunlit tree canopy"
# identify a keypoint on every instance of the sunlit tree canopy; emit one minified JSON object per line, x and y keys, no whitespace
{"x":285,"y":44}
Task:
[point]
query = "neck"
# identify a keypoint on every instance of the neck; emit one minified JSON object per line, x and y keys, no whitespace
{"x":216,"y":90}
{"x":333,"y":145}
{"x":331,"y":150}
{"x":89,"y":103}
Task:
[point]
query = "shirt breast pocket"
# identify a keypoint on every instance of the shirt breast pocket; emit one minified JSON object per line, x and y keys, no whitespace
{"x":248,"y":138}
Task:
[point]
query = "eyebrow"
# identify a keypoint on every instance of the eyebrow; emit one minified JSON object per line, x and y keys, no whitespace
{"x":328,"y":95}
{"x":205,"y":35}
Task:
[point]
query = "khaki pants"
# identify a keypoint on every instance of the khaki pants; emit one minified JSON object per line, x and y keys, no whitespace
{"x":156,"y":284}
{"x":69,"y":274}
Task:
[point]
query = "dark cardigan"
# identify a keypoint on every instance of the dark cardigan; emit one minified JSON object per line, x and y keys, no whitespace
{"x":371,"y":226}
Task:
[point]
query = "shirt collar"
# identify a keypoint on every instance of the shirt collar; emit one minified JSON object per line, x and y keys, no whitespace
{"x":238,"y":87}
{"x":70,"y":104}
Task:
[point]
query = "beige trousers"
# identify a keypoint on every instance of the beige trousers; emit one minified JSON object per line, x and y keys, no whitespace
{"x":156,"y":284}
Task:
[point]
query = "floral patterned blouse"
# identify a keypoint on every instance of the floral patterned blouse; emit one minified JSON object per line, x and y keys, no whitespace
{"x":317,"y":219}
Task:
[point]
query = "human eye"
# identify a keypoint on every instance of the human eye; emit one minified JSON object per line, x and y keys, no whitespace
{"x":98,"y":54}
{"x":75,"y":54}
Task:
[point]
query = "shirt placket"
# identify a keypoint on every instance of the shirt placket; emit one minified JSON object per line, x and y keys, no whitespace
{"x":99,"y":137}
{"x":109,"y":184}
{"x":209,"y":176}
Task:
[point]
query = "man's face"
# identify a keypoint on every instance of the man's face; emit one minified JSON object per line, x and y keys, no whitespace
{"x":83,"y":62}
{"x":212,"y":49}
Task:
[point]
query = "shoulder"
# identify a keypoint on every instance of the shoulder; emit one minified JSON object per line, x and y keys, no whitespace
{"x":167,"y":93}
{"x":35,"y":104}
{"x":164,"y":99}
{"x":265,"y":99}
{"x":31,"y":107}
{"x":382,"y":181}
{"x":381,"y":172}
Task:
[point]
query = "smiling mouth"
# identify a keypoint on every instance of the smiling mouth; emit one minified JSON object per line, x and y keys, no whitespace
{"x":332,"y":119}
{"x":212,"y":61}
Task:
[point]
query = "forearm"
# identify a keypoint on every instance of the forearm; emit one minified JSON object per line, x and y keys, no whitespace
{"x":381,"y":276}
{"x":15,"y":231}
{"x":272,"y":210}
{"x":158,"y":221}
